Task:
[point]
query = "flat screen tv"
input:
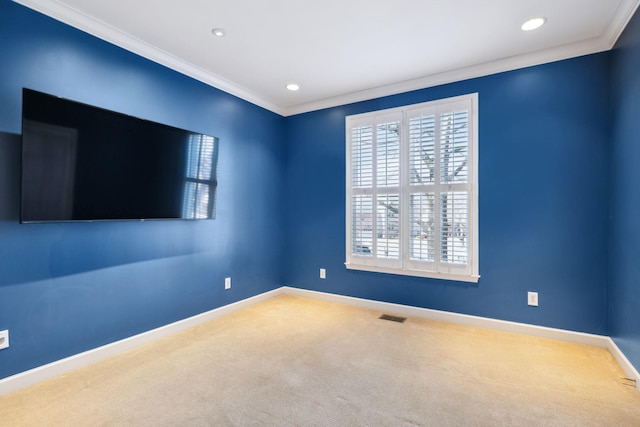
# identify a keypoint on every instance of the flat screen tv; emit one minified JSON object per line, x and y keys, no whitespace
{"x":84,"y":163}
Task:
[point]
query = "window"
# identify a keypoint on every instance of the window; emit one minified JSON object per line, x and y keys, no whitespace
{"x":412,"y":190}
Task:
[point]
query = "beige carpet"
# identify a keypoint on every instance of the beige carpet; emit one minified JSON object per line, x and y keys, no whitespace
{"x":294,"y":361}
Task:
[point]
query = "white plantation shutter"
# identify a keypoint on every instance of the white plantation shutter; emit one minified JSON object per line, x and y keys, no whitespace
{"x":362,"y":156}
{"x":422,"y":149}
{"x":412,"y":190}
{"x":454,"y":144}
{"x":388,"y":154}
{"x":453,"y":225}
{"x":422,"y":226}
{"x":388,"y":226}
{"x":361,"y":224}
{"x":374,"y":191}
{"x":440,"y":145}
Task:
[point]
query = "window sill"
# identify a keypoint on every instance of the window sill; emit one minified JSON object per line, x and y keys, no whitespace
{"x":415,"y":273}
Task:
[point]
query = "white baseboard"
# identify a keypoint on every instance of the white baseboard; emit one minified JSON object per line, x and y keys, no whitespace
{"x":63,"y":366}
{"x":629,"y":370}
{"x":464,"y":319}
{"x":59,"y":367}
{"x":483,"y":322}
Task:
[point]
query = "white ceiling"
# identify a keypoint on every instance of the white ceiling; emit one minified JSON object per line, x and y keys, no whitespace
{"x":342,"y":51}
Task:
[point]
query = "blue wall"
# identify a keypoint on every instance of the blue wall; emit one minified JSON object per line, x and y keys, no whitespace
{"x":67,"y":288}
{"x":624,"y":306}
{"x":547,"y":169}
{"x":543,"y":187}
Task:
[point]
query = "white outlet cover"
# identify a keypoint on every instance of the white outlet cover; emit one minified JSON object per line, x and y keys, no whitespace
{"x":4,"y":339}
{"x":323,"y":273}
{"x":532,"y":299}
{"x":227,"y":283}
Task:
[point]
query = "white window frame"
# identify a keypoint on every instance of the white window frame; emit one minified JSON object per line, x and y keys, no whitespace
{"x":468,"y":272}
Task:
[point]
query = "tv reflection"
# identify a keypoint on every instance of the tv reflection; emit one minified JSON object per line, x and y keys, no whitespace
{"x":201,"y":177}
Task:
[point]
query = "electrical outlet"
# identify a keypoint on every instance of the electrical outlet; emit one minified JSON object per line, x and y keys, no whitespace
{"x":227,"y":282}
{"x":4,"y":339}
{"x":532,"y":299}
{"x":323,"y":273}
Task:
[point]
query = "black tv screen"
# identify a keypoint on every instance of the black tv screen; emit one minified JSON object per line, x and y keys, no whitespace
{"x":84,"y":163}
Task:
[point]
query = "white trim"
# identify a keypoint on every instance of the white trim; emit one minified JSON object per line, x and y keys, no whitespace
{"x":619,"y":21}
{"x":462,"y":319}
{"x":60,"y":367}
{"x":480,"y":70}
{"x":413,"y":273}
{"x":627,"y":367}
{"x":68,"y":364}
{"x":403,"y":265}
{"x":482,"y":322}
{"x":452,"y":76}
{"x":105,"y":32}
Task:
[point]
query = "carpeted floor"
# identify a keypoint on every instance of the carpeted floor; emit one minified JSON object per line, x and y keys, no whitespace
{"x":294,"y":361}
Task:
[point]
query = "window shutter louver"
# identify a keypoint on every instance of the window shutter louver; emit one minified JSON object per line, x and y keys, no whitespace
{"x":422,"y":149}
{"x":454,"y":140}
{"x":422,"y":219}
{"x":388,"y":154}
{"x":388,"y":226}
{"x":454,"y":224}
{"x":362,"y":224}
{"x":362,"y":155}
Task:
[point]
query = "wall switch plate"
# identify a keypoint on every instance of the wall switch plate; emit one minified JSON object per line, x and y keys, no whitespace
{"x":227,"y":282}
{"x":532,"y":299}
{"x":323,"y":273}
{"x":4,"y":339}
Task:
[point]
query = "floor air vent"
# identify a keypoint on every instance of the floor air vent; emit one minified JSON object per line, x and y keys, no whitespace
{"x":393,"y":318}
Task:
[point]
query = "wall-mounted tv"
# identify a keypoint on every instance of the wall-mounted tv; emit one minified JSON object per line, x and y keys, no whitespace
{"x":84,"y":163}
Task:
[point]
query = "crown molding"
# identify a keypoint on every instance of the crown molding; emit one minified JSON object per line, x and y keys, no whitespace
{"x":605,"y":42}
{"x":104,"y":31}
{"x":494,"y":67}
{"x":619,"y":21}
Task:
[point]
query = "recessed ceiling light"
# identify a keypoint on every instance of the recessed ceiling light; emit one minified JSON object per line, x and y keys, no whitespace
{"x":293,"y":87}
{"x":533,"y":23}
{"x":218,"y":32}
